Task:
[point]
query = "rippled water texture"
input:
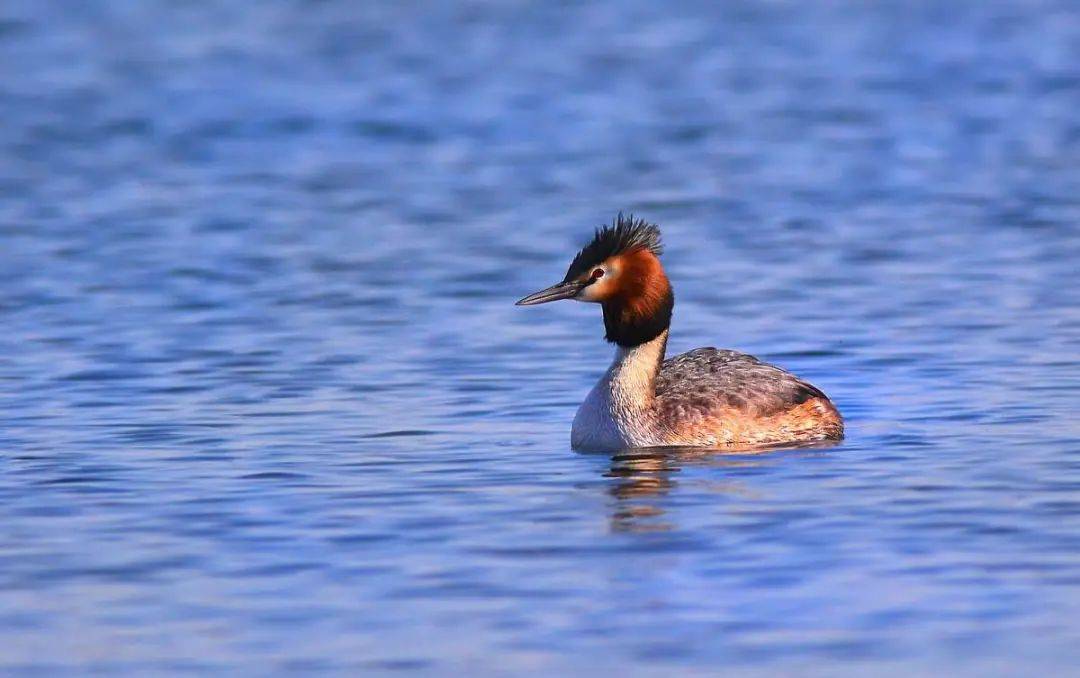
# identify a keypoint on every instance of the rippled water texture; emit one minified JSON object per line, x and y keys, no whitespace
{"x":266,"y":404}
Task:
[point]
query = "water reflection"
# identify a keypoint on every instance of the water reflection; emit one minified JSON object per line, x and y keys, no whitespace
{"x":640,"y":476}
{"x":642,"y":479}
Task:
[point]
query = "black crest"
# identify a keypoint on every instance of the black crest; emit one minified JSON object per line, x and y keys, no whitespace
{"x":623,"y":235}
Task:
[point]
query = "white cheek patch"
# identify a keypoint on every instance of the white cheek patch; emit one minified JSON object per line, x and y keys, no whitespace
{"x":603,"y":288}
{"x":594,"y":292}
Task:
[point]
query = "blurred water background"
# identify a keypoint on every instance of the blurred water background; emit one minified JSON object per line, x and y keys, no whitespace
{"x":266,"y":405}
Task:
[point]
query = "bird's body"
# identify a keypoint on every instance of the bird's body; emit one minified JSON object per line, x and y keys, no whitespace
{"x":703,"y":398}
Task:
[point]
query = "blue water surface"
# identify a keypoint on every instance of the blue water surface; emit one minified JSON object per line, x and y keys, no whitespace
{"x":266,"y":405}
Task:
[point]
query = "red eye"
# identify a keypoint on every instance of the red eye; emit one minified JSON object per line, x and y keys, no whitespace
{"x":597,"y":274}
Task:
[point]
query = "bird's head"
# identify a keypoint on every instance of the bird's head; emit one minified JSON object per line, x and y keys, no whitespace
{"x":621,"y":270}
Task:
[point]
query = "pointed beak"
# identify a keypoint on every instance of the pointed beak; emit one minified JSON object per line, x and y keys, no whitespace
{"x":563,"y":290}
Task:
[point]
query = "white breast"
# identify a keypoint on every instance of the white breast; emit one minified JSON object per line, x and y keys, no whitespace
{"x":594,"y":426}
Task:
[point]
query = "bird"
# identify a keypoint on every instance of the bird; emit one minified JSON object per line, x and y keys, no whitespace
{"x":706,"y":397}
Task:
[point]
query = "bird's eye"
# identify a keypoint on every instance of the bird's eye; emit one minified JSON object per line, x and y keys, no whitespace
{"x":597,"y":274}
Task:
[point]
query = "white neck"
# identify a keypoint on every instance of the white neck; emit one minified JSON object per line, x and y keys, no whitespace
{"x":618,"y":411}
{"x":632,"y":375}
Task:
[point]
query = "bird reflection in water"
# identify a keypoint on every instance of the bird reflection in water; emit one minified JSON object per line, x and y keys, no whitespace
{"x":642,"y":477}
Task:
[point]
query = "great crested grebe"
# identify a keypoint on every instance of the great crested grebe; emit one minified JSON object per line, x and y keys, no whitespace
{"x":704,"y":398}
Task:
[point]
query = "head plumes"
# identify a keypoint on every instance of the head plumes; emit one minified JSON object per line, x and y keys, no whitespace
{"x":623,"y":235}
